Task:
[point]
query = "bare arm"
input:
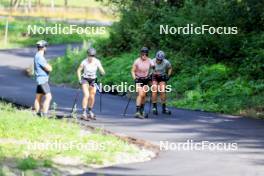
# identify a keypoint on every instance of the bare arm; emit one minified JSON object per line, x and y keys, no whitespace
{"x":101,"y":70}
{"x":170,"y":71}
{"x":133,"y":70}
{"x":79,"y":72}
{"x":48,"y":68}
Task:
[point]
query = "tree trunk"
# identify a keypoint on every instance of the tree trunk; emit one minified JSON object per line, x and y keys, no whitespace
{"x":6,"y":33}
{"x":29,"y":5}
{"x":65,"y":3}
{"x":25,"y":6}
{"x":39,"y":3}
{"x":52,"y":4}
{"x":16,"y":4}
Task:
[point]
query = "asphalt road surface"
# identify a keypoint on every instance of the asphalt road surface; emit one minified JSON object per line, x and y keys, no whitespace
{"x":181,"y":126}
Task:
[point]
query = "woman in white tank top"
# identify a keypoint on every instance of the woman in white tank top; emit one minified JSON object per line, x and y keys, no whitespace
{"x":87,"y":76}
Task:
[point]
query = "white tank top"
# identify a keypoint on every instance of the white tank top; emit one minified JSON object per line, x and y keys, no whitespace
{"x":90,"y":69}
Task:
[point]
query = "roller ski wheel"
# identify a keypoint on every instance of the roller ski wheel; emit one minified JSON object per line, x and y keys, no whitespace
{"x":154,"y":111}
{"x":166,"y":111}
{"x":84,"y":116}
{"x":139,"y":115}
{"x":91,"y":115}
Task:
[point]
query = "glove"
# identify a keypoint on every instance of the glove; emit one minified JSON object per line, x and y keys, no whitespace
{"x":96,"y":81}
{"x":166,"y":78}
{"x":150,"y":77}
{"x":136,"y":80}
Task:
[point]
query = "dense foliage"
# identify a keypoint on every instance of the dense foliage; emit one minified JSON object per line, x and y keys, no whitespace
{"x":213,"y":72}
{"x":221,"y":73}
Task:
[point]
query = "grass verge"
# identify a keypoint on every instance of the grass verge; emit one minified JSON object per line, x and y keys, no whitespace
{"x":30,"y":143}
{"x":76,"y":3}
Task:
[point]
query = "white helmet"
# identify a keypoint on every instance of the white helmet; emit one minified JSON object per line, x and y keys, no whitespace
{"x":91,"y":52}
{"x":160,"y":55}
{"x":42,"y":44}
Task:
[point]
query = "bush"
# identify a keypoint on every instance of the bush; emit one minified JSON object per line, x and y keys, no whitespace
{"x":222,"y":73}
{"x":27,"y":164}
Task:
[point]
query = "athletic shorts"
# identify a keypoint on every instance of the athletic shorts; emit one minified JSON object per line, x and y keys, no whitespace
{"x":158,"y":78}
{"x":89,"y":81}
{"x":43,"y":88}
{"x":142,"y":81}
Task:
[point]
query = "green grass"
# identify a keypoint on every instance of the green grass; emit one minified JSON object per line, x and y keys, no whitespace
{"x":20,"y":126}
{"x":27,"y":164}
{"x":82,"y":10}
{"x":18,"y":37}
{"x":71,"y":3}
{"x":196,"y":86}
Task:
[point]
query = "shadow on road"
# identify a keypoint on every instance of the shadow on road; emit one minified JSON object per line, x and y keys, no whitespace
{"x":182,"y":125}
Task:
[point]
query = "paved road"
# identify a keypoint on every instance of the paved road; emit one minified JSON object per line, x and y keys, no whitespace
{"x":184,"y":125}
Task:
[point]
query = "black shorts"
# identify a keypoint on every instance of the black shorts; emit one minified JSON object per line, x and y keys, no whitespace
{"x":142,"y":81}
{"x":89,"y":81}
{"x":158,"y":78}
{"x":43,"y":88}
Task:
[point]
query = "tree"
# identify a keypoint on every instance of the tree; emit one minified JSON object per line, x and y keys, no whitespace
{"x":38,"y":2}
{"x":65,"y":3}
{"x":52,"y":4}
{"x":14,"y":4}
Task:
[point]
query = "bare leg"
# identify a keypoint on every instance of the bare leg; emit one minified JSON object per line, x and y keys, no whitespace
{"x":92,"y":91}
{"x":139,"y":97}
{"x":85,"y":89}
{"x":143,"y":94}
{"x":46,"y":103}
{"x":154,"y":92}
{"x":165,"y":110}
{"x":37,"y":102}
{"x":162,"y":86}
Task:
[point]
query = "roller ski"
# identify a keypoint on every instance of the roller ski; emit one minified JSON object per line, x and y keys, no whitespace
{"x":141,"y":115}
{"x":166,"y":111}
{"x":84,"y":116}
{"x":91,"y":115}
{"x":154,"y":111}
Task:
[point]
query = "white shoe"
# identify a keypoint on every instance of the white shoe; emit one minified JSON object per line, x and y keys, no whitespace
{"x":84,"y":116}
{"x":91,"y":115}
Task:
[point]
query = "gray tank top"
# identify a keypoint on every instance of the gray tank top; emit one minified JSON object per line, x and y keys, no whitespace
{"x":162,"y":68}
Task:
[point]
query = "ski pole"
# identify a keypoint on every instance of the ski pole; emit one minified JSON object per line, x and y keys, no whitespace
{"x":128,"y":102}
{"x":97,"y":87}
{"x":75,"y":99}
{"x":150,"y":101}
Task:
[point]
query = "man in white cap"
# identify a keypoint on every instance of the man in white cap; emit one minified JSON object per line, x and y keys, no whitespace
{"x":42,"y":70}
